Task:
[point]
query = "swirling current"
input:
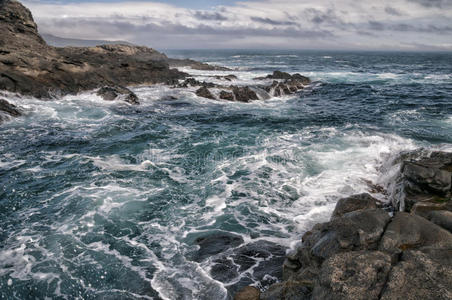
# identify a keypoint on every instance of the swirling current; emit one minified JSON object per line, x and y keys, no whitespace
{"x":105,"y":200}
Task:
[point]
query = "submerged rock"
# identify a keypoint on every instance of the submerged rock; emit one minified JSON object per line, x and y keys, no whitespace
{"x":215,"y":243}
{"x":227,"y":77}
{"x":257,"y":262}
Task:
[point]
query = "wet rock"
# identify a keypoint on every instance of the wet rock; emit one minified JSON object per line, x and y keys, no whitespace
{"x":359,"y":230}
{"x":248,"y":293}
{"x":110,"y":93}
{"x":407,"y":232}
{"x":244,"y":94}
{"x":421,"y":275}
{"x":424,"y":177}
{"x":295,"y":78}
{"x":205,"y":93}
{"x":193,"y":83}
{"x":195,"y":65}
{"x":354,"y":203}
{"x":226,"y":96}
{"x":215,"y":243}
{"x":428,"y":205}
{"x":442,"y":218}
{"x":353,"y":275}
{"x":31,"y":67}
{"x":288,"y":290}
{"x":9,"y":108}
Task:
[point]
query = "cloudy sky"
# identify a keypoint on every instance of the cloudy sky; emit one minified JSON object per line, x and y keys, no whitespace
{"x":254,"y":24}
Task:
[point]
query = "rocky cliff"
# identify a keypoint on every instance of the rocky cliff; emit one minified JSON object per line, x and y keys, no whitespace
{"x":31,"y":67}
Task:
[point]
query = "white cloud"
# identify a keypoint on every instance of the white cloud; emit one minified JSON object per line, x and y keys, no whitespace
{"x":344,"y":24}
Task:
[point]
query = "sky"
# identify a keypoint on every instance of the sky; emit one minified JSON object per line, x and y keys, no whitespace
{"x":409,"y":25}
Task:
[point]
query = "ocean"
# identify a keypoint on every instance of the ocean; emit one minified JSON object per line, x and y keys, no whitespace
{"x":105,"y":200}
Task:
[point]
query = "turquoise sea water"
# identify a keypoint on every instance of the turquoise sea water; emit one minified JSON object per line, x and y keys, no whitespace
{"x":102,"y":200}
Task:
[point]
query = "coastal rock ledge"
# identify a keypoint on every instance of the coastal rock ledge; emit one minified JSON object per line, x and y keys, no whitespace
{"x":370,"y":251}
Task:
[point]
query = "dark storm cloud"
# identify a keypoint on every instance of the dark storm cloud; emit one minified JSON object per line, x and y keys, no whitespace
{"x":118,"y":27}
{"x":319,"y":17}
{"x":272,"y":22}
{"x":402,"y":27}
{"x":209,"y":16}
{"x":433,"y":3}
{"x":392,"y":11}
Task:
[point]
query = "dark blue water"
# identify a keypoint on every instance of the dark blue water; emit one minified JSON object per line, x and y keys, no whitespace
{"x":105,"y":200}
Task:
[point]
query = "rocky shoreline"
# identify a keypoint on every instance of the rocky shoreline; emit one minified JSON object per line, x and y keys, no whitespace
{"x":30,"y":67}
{"x":398,"y":249}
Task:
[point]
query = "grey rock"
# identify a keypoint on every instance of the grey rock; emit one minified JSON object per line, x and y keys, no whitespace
{"x":358,"y":275}
{"x":244,"y":94}
{"x":407,"y":232}
{"x":421,"y":275}
{"x":110,"y":93}
{"x":354,"y":203}
{"x":9,"y":108}
{"x":422,"y":177}
{"x":359,"y":230}
{"x":442,"y":218}
{"x":205,"y":93}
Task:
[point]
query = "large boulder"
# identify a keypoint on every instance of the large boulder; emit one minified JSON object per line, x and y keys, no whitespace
{"x":354,"y":231}
{"x":244,"y":94}
{"x":357,"y":275}
{"x":413,"y":232}
{"x":421,"y":275}
{"x":441,"y":218}
{"x":354,"y":203}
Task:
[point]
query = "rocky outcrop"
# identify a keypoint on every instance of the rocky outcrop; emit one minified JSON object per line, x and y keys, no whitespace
{"x":366,"y":252}
{"x":31,"y":67}
{"x":423,"y":178}
{"x":195,"y":65}
{"x":109,"y":93}
{"x":205,"y":93}
{"x":285,"y":85}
